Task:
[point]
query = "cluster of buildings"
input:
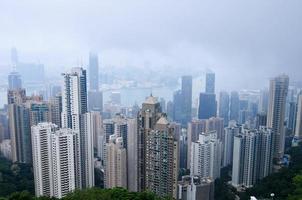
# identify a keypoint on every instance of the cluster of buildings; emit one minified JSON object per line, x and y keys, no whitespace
{"x":68,"y":136}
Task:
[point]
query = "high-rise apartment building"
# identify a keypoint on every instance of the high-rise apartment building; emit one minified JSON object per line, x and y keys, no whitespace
{"x":216,"y":124}
{"x":206,"y":156}
{"x":55,"y":104}
{"x":53,"y":160}
{"x":19,"y":127}
{"x":162,"y":159}
{"x":132,"y":155}
{"x":263,"y":101}
{"x":234,"y":106}
{"x":74,"y":98}
{"x":116,"y":163}
{"x":186,"y":91}
{"x":252,"y":156}
{"x":87,"y":148}
{"x":195,"y":127}
{"x":75,"y":116}
{"x":210,"y":83}
{"x":276,"y":112}
{"x":229,"y":133}
{"x":146,"y":119}
{"x":207,"y":106}
{"x":298,"y":129}
{"x":39,"y":112}
{"x":24,"y":112}
{"x":93,"y":72}
{"x":292,"y":114}
{"x":196,"y":188}
{"x":224,"y":107}
{"x":118,"y":126}
{"x":95,"y":101}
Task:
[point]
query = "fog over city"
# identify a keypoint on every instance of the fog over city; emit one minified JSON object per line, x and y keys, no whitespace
{"x":150,"y":99}
{"x":244,"y":42}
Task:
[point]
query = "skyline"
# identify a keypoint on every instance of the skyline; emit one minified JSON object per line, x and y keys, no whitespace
{"x":260,"y":44}
{"x":140,"y":99}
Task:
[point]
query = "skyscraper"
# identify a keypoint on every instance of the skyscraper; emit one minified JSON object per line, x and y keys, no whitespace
{"x":298,"y":129}
{"x":162,"y":160}
{"x":19,"y":126}
{"x":74,"y":98}
{"x":24,"y":112}
{"x":207,"y":106}
{"x":194,"y":129}
{"x":182,"y":102}
{"x":14,"y":81}
{"x":132,"y":155}
{"x":74,"y":116}
{"x":147,"y":118}
{"x":116,"y":164}
{"x":276,"y":112}
{"x":215,"y":124}
{"x":16,"y":96}
{"x":95,"y":97}
{"x":186,"y":90}
{"x":178,"y":114}
{"x":206,"y":156}
{"x":263,"y":102}
{"x":53,"y":160}
{"x":87,"y":148}
{"x":252,"y":156}
{"x":210,"y":83}
{"x":95,"y":101}
{"x":196,"y":188}
{"x":261,"y":119}
{"x":224,"y":106}
{"x":39,"y":112}
{"x":55,"y":105}
{"x":229,"y":133}
{"x":93,"y":72}
{"x":118,"y":126}
{"x":291,"y":122}
{"x":234,"y":106}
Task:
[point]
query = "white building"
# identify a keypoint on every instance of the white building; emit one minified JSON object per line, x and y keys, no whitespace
{"x":195,"y":127}
{"x":252,"y":156}
{"x":74,"y":116}
{"x":132,"y":155}
{"x":87,"y":143}
{"x":206,"y":156}
{"x":217,"y":124}
{"x":195,"y":188}
{"x":53,"y":160}
{"x":229,"y":133}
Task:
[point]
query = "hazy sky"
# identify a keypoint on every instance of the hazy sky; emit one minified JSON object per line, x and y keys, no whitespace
{"x":244,"y":41}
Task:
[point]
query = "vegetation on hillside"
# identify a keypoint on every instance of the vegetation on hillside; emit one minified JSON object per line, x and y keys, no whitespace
{"x":93,"y":194}
{"x":15,"y":177}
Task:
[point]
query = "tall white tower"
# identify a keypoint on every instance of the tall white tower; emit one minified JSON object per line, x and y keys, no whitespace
{"x":206,"y":156}
{"x":74,"y":116}
{"x":53,"y":160}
